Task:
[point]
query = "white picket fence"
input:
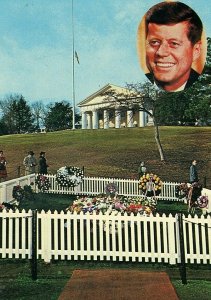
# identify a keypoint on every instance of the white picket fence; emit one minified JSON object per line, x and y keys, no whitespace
{"x":96,"y":185}
{"x":67,"y":236}
{"x":89,"y":186}
{"x":102,"y":237}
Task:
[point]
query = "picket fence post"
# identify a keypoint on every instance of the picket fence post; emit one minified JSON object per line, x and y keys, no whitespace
{"x":45,"y":218}
{"x":171,"y":239}
{"x":34,"y":246}
{"x":182,"y":248}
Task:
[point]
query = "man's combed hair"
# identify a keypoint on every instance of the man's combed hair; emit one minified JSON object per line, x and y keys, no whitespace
{"x":165,"y":13}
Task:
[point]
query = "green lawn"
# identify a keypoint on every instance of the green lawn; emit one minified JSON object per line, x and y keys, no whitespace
{"x":117,"y":152}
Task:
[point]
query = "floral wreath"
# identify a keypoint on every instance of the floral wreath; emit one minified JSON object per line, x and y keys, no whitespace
{"x":69,"y":176}
{"x":18,"y":193}
{"x":111,"y":188}
{"x":150,"y":185}
{"x":202,"y":201}
{"x":42,"y":183}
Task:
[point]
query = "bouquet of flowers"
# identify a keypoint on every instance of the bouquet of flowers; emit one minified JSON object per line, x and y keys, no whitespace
{"x":150,"y":184}
{"x":69,"y":176}
{"x":42,"y":183}
{"x":120,"y":204}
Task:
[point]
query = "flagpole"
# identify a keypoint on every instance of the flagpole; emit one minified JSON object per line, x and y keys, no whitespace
{"x":73,"y":69}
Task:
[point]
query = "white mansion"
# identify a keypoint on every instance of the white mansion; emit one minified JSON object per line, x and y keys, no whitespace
{"x":98,"y":112}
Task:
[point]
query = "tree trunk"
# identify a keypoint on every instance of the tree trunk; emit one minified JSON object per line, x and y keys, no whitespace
{"x":158,"y":142}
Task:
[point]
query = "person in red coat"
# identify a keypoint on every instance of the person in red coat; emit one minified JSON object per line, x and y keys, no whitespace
{"x":3,"y":169}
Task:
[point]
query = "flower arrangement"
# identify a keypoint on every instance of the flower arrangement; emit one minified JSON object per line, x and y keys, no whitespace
{"x":42,"y":183}
{"x":119,"y":204}
{"x":28,"y":191}
{"x":111,"y":189}
{"x":8,"y":206}
{"x":202,"y":201}
{"x":150,"y":185}
{"x":22,"y":193}
{"x":69,"y":176}
{"x":182,"y":190}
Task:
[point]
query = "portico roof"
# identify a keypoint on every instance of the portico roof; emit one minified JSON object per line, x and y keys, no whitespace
{"x":99,"y":96}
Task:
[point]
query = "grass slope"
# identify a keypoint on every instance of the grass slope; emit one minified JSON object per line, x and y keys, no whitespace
{"x":117,"y":152}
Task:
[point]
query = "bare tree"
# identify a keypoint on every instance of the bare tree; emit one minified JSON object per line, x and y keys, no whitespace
{"x":138,"y":97}
{"x":38,"y":111}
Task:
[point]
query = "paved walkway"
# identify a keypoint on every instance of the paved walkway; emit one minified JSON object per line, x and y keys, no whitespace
{"x":118,"y":285}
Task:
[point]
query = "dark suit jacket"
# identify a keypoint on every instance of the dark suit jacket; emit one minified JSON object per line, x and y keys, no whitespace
{"x":192,"y":78}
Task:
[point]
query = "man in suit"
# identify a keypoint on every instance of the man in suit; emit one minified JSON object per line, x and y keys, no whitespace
{"x":173,"y":43}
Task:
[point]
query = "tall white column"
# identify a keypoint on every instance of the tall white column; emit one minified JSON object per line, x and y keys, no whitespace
{"x":106,"y":119}
{"x":129,"y":118}
{"x":142,"y":120}
{"x":84,"y":120}
{"x":95,"y":119}
{"x":89,"y":121}
{"x":117,"y":118}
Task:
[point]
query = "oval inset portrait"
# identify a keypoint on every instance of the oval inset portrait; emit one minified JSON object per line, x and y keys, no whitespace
{"x":172,"y":45}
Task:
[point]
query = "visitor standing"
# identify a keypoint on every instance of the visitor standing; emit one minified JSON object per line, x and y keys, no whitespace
{"x":3,"y":169}
{"x":141,"y":169}
{"x":30,"y":162}
{"x":193,"y":172}
{"x":43,"y":166}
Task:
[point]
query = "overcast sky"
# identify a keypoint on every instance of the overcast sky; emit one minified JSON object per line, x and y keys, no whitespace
{"x":36,"y":45}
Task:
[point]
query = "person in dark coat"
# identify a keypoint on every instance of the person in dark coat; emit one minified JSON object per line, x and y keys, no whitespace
{"x":193,"y":172}
{"x":43,"y":166}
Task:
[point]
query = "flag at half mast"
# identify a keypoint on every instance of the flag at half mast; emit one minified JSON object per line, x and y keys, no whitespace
{"x":77,"y":58}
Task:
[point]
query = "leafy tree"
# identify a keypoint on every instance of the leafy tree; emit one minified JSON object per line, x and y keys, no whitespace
{"x":199,"y":94}
{"x":3,"y":128}
{"x":22,"y":115}
{"x":16,"y":114}
{"x":58,"y":116}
